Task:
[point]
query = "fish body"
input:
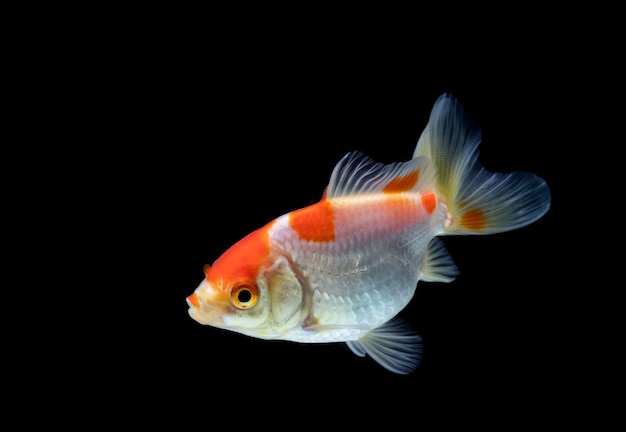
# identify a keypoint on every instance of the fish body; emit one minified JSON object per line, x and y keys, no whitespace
{"x":341,"y":270}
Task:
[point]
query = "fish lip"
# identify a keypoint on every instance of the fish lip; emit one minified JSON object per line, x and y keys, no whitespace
{"x":189,"y":303}
{"x":205,"y":314}
{"x":197,"y":315}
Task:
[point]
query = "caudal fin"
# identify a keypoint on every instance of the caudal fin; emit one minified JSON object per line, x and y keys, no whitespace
{"x":480,"y":202}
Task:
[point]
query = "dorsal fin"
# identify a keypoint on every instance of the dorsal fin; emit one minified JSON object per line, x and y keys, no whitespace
{"x":357,"y":174}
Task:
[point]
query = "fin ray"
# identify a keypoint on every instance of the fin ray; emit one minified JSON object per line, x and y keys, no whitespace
{"x":394,"y":345}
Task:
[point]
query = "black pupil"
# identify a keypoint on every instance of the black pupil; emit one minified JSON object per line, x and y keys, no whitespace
{"x":244,"y":296}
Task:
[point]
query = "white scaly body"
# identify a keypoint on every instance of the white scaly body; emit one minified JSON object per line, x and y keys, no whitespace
{"x":368,"y":274}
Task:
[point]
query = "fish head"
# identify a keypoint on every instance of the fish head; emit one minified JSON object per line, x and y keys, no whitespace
{"x":232,"y":305}
{"x":251,"y":290}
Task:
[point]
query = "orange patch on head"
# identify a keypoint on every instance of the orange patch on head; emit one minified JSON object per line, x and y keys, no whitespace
{"x":473,"y":219}
{"x":403,"y":184}
{"x":315,"y":222}
{"x":429,"y":201}
{"x":242,"y":260}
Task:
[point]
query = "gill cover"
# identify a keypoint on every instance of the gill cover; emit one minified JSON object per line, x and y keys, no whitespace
{"x":286,"y":290}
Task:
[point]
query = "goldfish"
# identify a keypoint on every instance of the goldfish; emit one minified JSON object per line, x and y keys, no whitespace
{"x":343,"y":268}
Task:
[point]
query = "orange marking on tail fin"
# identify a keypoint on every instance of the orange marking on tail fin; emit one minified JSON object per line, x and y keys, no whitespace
{"x":404,"y":183}
{"x":429,"y":202}
{"x":473,"y":219}
{"x":315,"y":222}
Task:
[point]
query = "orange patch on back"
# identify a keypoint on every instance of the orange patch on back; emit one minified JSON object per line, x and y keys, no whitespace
{"x":315,"y":222}
{"x":429,"y":202}
{"x":473,"y":219}
{"x":403,"y":184}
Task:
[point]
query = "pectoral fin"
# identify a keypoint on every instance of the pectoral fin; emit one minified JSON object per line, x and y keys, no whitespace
{"x":394,"y":345}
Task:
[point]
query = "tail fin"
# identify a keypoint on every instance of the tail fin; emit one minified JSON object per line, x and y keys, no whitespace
{"x":479,"y":201}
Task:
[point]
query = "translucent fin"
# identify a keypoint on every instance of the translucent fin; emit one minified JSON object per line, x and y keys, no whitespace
{"x":356,"y":348}
{"x":394,"y":345}
{"x":438,"y":264}
{"x":357,"y":174}
{"x":480,"y":202}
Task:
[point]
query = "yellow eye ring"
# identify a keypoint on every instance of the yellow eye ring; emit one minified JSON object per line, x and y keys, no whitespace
{"x":244,"y":296}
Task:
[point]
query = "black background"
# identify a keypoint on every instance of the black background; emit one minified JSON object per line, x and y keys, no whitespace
{"x":228,"y":150}
{"x":180,"y":141}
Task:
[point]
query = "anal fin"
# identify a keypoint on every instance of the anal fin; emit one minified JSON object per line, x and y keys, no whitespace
{"x":438,"y":264}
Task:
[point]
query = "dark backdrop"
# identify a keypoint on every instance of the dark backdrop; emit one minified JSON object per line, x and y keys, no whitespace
{"x":187,"y":143}
{"x":222,"y":152}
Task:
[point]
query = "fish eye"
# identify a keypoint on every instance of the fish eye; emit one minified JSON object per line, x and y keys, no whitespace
{"x":244,"y":296}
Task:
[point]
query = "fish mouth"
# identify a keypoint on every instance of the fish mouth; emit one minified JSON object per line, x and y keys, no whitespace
{"x":198,"y":316}
{"x":203,"y":313}
{"x":193,"y":301}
